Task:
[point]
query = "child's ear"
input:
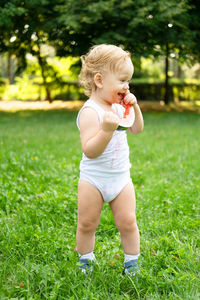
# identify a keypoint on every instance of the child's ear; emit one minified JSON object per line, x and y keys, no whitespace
{"x":98,"y":80}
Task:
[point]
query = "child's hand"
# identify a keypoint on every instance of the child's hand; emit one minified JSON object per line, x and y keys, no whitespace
{"x":110,"y":122}
{"x":129,"y":99}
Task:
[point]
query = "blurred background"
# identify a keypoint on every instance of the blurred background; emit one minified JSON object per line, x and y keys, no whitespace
{"x":41,"y":42}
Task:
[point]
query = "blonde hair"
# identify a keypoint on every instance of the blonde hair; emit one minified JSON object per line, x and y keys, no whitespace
{"x":99,"y":59}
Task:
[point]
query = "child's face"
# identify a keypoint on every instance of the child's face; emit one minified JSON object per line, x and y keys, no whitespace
{"x":116,"y":84}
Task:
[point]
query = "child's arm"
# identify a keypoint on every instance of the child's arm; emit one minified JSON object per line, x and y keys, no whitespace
{"x":138,"y":124}
{"x":94,"y":139}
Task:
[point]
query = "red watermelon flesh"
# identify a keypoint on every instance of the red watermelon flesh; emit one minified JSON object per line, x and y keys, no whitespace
{"x":128,"y":118}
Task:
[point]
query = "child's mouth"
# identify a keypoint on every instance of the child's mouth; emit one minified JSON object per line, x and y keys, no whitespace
{"x":121,"y":96}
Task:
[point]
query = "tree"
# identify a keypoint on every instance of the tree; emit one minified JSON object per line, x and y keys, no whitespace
{"x":170,"y":28}
{"x":192,"y":45}
{"x":143,"y":27}
{"x":7,"y":29}
{"x":24,"y":28}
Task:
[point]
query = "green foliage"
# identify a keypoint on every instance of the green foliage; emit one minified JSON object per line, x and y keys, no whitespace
{"x":2,"y":87}
{"x":143,"y":27}
{"x":144,"y":88}
{"x":152,"y":89}
{"x":72,"y":26}
{"x":29,"y":86}
{"x":28,"y":32}
{"x":39,"y":169}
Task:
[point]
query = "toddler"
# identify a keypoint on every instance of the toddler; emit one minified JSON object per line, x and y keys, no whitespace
{"x":105,"y":167}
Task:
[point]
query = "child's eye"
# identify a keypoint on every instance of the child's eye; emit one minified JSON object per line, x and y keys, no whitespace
{"x":125,"y":81}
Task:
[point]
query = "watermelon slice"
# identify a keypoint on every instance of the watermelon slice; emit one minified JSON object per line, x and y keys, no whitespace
{"x":127,"y":110}
{"x":128,"y":117}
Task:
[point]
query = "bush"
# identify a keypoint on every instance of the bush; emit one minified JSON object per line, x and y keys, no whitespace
{"x":2,"y":87}
{"x":179,"y":90}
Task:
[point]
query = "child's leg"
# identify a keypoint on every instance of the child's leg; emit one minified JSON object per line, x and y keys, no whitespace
{"x":90,"y":204}
{"x":123,"y":208}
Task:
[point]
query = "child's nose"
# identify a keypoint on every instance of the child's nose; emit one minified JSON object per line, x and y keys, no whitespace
{"x":126,"y":86}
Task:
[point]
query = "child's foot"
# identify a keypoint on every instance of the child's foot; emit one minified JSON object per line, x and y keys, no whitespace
{"x":130,"y":267}
{"x":86,"y":265}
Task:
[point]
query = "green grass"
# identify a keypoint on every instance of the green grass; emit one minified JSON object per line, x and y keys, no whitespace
{"x":39,"y":159}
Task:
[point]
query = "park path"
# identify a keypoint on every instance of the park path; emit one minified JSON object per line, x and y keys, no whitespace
{"x":39,"y":105}
{"x":146,"y":106}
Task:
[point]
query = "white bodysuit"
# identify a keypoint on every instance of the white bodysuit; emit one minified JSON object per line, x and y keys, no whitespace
{"x":110,"y":171}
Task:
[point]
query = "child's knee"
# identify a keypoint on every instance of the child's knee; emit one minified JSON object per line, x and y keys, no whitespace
{"x":127,"y":223}
{"x":87,"y":225}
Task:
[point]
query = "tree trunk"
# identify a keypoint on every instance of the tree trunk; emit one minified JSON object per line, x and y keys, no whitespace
{"x":166,"y":96}
{"x":48,"y":94}
{"x":179,"y":71}
{"x":42,"y":66}
{"x":9,"y":68}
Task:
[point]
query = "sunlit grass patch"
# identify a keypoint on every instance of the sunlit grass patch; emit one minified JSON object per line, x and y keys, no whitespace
{"x":39,"y":160}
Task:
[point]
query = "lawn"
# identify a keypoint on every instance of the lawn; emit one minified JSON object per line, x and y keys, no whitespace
{"x":39,"y":168}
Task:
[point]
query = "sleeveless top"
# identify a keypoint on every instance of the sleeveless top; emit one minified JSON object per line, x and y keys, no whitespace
{"x":115,"y":158}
